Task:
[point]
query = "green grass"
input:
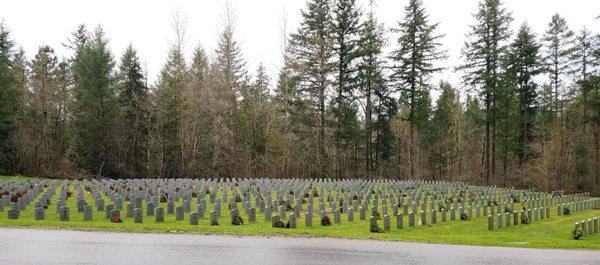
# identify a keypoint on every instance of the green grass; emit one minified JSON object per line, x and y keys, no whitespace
{"x":554,"y":232}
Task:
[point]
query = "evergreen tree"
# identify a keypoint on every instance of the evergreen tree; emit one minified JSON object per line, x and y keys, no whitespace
{"x":95,"y":107}
{"x":558,"y":43}
{"x":198,"y":111}
{"x":311,"y":53}
{"x":525,"y":65}
{"x":370,"y":79}
{"x":10,"y":102}
{"x":444,"y":133}
{"x":44,"y":110}
{"x":170,"y":88}
{"x":229,"y":77}
{"x":133,"y":116}
{"x":345,"y":29}
{"x":482,"y":69}
{"x":418,"y":50}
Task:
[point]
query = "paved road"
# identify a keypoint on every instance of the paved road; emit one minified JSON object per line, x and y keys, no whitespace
{"x":27,"y":246}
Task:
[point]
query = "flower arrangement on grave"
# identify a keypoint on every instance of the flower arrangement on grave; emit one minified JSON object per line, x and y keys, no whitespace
{"x":238,"y":198}
{"x":116,"y":219}
{"x":524,"y":219}
{"x":288,"y":207}
{"x":567,"y":211}
{"x":325,"y":221}
{"x":464,"y":217}
{"x":164,"y":199}
{"x":577,"y":233}
{"x":237,"y":220}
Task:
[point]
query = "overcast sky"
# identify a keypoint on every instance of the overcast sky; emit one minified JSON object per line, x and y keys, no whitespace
{"x":147,"y":24}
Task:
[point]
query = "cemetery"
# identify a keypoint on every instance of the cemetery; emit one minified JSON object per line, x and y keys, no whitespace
{"x":382,"y":209}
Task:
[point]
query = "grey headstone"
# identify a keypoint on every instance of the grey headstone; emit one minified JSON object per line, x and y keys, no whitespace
{"x":194,"y":219}
{"x":40,"y":213}
{"x":64,"y":213}
{"x":159,"y":214}
{"x":87,"y":213}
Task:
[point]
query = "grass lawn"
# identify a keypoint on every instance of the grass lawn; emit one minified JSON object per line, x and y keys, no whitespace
{"x":554,"y":232}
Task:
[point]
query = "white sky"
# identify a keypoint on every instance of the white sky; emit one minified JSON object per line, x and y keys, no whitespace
{"x":147,"y":24}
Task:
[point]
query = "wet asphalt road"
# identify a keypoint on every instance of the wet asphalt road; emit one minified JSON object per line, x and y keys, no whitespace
{"x":28,"y":246}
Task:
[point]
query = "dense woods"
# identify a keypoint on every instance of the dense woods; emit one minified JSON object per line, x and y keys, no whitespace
{"x":527,"y":112}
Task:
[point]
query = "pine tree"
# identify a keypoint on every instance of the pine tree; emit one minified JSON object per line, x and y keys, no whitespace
{"x":311,"y":53}
{"x":95,"y":107}
{"x":133,"y":116}
{"x":558,"y":43}
{"x":482,"y":69}
{"x":418,"y":50}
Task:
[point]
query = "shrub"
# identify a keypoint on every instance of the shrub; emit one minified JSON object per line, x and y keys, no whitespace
{"x":524,"y":219}
{"x":577,"y":233}
{"x":566,"y":211}
{"x":376,"y":229}
{"x":214,"y":222}
{"x":325,"y":221}
{"x":464,"y":217}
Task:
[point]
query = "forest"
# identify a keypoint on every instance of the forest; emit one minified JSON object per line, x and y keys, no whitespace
{"x":526,"y":114}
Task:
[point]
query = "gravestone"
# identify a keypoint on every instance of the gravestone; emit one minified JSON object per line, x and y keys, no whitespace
{"x":490,"y":222}
{"x":193,"y":218}
{"x":399,"y":221}
{"x":214,"y":218}
{"x":170,"y":206}
{"x":363,"y":213}
{"x":252,"y":215}
{"x":64,"y":213}
{"x":87,"y":213}
{"x":336,"y":216}
{"x":138,"y":216}
{"x":39,"y":213}
{"x":411,"y":219}
{"x":350,"y":215}
{"x":150,"y":209}
{"x":179,"y":213}
{"x":159,"y":214}
{"x":386,"y":223}
{"x":109,"y":209}
{"x":309,"y":219}
{"x":292,"y":222}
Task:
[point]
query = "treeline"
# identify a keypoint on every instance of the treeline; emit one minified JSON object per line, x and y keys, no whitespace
{"x":527,"y":115}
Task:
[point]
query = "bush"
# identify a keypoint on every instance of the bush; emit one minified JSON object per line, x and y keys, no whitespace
{"x":577,"y":233}
{"x":376,"y":229}
{"x":325,"y":221}
{"x":524,"y":219}
{"x":566,"y":211}
{"x":214,"y":223}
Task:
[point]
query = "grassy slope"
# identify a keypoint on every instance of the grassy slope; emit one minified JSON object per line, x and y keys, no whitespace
{"x":550,"y":233}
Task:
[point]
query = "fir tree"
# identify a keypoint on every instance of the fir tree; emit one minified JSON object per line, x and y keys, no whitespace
{"x":133,"y":115}
{"x":482,"y":69}
{"x":418,"y":50}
